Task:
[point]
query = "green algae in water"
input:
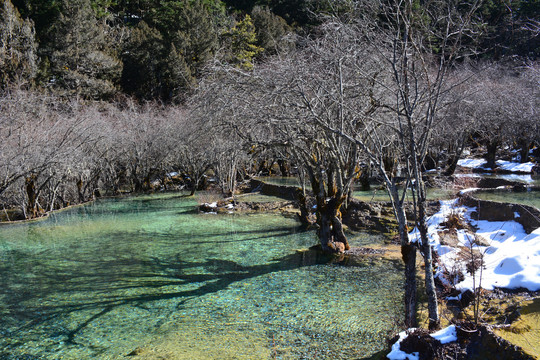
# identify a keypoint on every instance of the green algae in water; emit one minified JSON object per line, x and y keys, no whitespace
{"x":531,"y":198}
{"x":525,"y":332}
{"x":378,"y":194}
{"x":260,"y":198}
{"x":97,"y":282}
{"x":280,"y":180}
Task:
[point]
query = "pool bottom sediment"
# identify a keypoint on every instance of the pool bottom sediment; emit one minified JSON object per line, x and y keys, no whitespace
{"x":150,"y":278}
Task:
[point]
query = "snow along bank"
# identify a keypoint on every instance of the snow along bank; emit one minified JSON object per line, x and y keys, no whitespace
{"x":511,"y":260}
{"x":510,"y":166}
{"x":511,"y":256}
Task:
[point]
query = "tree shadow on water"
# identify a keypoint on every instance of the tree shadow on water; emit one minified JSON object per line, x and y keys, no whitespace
{"x":99,"y":286}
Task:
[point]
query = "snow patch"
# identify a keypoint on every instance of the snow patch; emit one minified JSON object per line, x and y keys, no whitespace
{"x":510,"y":177}
{"x":471,"y":163}
{"x":445,"y":336}
{"x":464,"y":191}
{"x":511,"y":166}
{"x":512,"y":259}
{"x":397,"y":354}
{"x":515,"y":166}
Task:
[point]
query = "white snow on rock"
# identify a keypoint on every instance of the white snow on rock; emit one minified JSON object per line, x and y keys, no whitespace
{"x":510,"y":177}
{"x":445,"y":336}
{"x":397,"y":354}
{"x":464,"y":191}
{"x":512,"y":259}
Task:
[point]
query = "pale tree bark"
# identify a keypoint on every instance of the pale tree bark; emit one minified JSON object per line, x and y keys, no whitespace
{"x":410,"y":94}
{"x":420,"y":77}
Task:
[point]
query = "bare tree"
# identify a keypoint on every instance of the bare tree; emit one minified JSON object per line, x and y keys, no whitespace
{"x":456,"y":127}
{"x":418,"y":45}
{"x":55,"y":153}
{"x":192,"y":154}
{"x":522,"y":98}
{"x":38,"y":134}
{"x":498,"y":109}
{"x":289,"y":105}
{"x":215,"y":113}
{"x":143,"y":142}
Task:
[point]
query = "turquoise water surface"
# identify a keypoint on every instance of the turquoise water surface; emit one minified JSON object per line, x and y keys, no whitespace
{"x":531,"y":198}
{"x":151,"y":278}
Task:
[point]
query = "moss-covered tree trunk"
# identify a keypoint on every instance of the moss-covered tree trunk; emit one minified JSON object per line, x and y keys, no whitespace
{"x":302,"y":205}
{"x":491,"y":153}
{"x":32,"y":196}
{"x":453,"y":161}
{"x":80,"y":190}
{"x":363,"y":179}
{"x":284,"y":168}
{"x":329,"y":201}
{"x":524,"y":146}
{"x":331,"y":234}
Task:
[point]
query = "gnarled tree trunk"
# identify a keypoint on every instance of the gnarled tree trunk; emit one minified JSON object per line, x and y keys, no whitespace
{"x":491,"y":153}
{"x":331,"y":234}
{"x":32,"y":192}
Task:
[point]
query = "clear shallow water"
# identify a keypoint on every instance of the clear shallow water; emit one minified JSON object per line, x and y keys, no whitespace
{"x":260,"y":198}
{"x":281,"y":180}
{"x":376,"y":194}
{"x":531,"y":198}
{"x":149,"y":274}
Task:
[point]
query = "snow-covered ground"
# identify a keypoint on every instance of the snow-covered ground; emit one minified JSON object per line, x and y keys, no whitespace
{"x":515,"y":166}
{"x":509,"y":177}
{"x":511,"y":256}
{"x":472,"y":163}
{"x":501,"y":164}
{"x":511,"y":260}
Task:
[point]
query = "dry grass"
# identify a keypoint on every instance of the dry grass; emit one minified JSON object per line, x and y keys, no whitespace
{"x":455,"y":221}
{"x":208,"y":197}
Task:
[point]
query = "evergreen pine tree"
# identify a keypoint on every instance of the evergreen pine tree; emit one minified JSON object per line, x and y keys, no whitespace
{"x":192,"y":26}
{"x":272,"y":31}
{"x":18,"y":59}
{"x":143,"y":56}
{"x":243,"y":40}
{"x":83,"y":60}
{"x":177,"y":79}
